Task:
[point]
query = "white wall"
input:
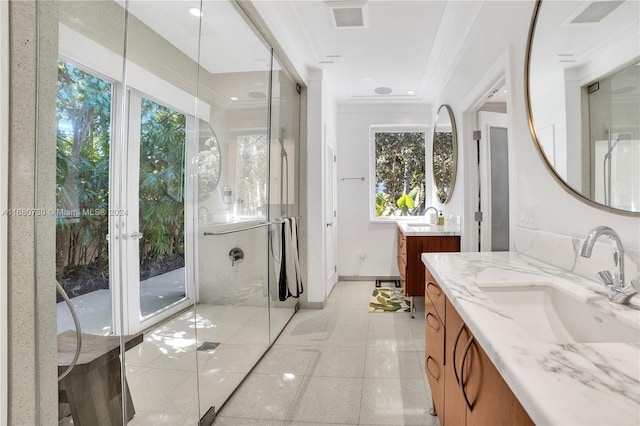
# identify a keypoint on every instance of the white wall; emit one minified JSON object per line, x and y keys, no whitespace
{"x":355,"y":233}
{"x":502,"y":27}
{"x":321,"y":118}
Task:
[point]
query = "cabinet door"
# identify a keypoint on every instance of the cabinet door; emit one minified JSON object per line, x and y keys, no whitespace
{"x":415,"y":246}
{"x":456,"y":338}
{"x":434,"y":358}
{"x":491,"y":400}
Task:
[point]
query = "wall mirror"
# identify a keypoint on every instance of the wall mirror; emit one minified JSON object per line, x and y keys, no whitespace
{"x":208,"y":161}
{"x":583,"y":98}
{"x":445,"y":153}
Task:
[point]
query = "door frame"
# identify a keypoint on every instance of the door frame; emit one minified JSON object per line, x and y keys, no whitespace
{"x":331,"y":255}
{"x":128,"y":253}
{"x":500,"y":73}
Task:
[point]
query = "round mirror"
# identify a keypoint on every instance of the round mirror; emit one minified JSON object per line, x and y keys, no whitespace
{"x":583,"y":98}
{"x":445,"y":153}
{"x":208,"y":161}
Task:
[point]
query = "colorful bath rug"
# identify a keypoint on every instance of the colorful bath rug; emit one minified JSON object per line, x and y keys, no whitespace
{"x":385,"y":299}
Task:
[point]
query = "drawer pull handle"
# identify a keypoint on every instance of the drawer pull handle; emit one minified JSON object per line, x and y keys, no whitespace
{"x":437,"y":328}
{"x":430,"y":358}
{"x":455,"y":346}
{"x":462,"y":364}
{"x":435,"y":293}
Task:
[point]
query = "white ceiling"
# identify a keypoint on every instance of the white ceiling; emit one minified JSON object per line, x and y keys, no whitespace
{"x":410,"y":47}
{"x":392,"y":50}
{"x":407,"y":46}
{"x":404,"y":45}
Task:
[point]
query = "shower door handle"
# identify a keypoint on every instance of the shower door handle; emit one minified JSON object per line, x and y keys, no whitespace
{"x":329,"y":224}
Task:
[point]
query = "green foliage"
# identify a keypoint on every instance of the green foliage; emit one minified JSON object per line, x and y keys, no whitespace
{"x":161,"y":193}
{"x":82,"y":169}
{"x":82,"y":176}
{"x":252,"y":172}
{"x":443,"y":163}
{"x":400,"y":176}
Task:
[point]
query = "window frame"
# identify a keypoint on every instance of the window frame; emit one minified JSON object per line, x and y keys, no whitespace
{"x":390,"y":128}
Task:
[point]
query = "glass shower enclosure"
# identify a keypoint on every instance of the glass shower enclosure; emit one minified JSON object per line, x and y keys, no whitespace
{"x":169,"y":156}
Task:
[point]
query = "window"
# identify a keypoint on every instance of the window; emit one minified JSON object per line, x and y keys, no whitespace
{"x":82,"y":180}
{"x":252,"y":173}
{"x":398,"y":170}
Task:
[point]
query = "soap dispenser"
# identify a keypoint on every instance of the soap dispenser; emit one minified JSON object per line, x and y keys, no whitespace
{"x":440,"y":218}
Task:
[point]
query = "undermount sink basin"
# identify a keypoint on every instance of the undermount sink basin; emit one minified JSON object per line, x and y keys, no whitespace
{"x":420,"y":224}
{"x":552,"y":315}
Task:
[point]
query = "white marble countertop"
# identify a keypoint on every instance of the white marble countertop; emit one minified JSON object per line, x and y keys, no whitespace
{"x":418,"y":228}
{"x":557,"y":383}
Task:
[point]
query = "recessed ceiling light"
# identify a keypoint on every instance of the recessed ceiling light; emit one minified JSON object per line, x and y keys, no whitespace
{"x":411,"y":92}
{"x":383,"y":90}
{"x":257,"y":95}
{"x":195,"y":12}
{"x":233,"y":98}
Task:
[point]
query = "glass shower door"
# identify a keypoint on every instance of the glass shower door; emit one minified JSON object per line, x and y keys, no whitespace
{"x":614,"y":107}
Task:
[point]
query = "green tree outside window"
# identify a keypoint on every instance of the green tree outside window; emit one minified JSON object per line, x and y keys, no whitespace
{"x":400,"y":175}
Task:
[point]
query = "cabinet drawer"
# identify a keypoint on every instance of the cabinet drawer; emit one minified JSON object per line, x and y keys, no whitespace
{"x":434,"y":293}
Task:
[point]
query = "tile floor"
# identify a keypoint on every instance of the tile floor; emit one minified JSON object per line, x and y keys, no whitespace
{"x":339,"y":365}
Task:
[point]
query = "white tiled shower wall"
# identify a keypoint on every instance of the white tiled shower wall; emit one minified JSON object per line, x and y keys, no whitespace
{"x":244,"y":283}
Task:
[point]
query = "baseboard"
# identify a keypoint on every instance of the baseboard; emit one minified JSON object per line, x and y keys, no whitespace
{"x":313,"y":305}
{"x":365,"y":278}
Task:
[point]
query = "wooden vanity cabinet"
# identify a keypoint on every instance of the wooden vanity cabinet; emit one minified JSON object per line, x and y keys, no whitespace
{"x":434,"y":343}
{"x":469,"y":390}
{"x":410,"y":249}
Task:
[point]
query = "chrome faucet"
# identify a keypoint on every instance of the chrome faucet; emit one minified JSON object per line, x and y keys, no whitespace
{"x":615,"y":284}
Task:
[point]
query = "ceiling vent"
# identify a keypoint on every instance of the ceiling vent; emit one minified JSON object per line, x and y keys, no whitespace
{"x":594,"y":12}
{"x":347,"y":14}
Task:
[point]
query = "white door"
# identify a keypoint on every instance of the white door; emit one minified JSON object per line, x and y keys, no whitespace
{"x":330,"y":215}
{"x":494,"y":170}
{"x":155,"y":251}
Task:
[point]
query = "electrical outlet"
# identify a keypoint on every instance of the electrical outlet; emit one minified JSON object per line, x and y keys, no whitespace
{"x":526,"y":218}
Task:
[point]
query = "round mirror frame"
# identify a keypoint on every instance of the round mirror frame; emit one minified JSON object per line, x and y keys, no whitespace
{"x":454,"y":169}
{"x":532,"y":129}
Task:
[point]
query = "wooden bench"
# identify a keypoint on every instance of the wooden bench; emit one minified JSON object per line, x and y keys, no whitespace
{"x":93,"y":389}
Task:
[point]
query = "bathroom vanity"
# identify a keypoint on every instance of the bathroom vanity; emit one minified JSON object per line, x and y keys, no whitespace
{"x":514,"y":341}
{"x":413,"y":239}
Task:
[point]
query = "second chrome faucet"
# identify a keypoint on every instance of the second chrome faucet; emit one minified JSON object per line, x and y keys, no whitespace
{"x":615,"y":283}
